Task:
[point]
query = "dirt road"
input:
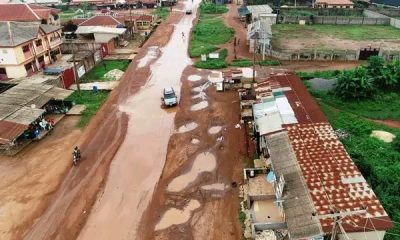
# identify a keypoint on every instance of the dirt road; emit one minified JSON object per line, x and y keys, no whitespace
{"x":138,"y":164}
{"x":70,"y":205}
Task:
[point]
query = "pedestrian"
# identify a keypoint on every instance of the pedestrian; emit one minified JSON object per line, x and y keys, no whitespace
{"x":105,"y":65}
{"x":183,"y":34}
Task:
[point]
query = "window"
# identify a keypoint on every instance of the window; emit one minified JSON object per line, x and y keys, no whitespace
{"x":25,"y":49}
{"x":38,"y":43}
{"x":3,"y":71}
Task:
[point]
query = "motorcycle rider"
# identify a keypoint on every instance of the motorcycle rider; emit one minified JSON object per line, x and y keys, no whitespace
{"x":76,"y":154}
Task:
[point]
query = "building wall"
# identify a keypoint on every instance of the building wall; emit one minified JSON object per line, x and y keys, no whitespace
{"x":378,"y":235}
{"x":7,"y":56}
{"x":16,"y":71}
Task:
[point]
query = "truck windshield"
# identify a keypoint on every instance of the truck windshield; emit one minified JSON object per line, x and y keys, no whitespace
{"x":169,"y":95}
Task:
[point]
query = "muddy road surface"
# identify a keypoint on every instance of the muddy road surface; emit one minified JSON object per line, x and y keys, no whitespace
{"x":138,"y":164}
{"x":130,"y":127}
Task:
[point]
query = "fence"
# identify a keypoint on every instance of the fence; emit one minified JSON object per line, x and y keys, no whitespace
{"x":392,"y":21}
{"x":327,"y":55}
{"x":338,"y":20}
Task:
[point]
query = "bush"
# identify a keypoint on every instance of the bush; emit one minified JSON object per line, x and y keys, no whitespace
{"x":329,"y":74}
{"x":211,"y":8}
{"x":242,"y":62}
{"x":269,"y":63}
{"x":396,"y":143}
{"x":355,"y":84}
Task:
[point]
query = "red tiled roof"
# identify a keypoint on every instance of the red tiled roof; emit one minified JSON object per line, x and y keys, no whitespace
{"x":101,"y":21}
{"x":25,"y":12}
{"x":77,"y":21}
{"x":333,"y":179}
{"x":10,"y":131}
{"x":17,"y":12}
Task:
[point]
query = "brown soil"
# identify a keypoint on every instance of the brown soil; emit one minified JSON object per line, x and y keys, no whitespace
{"x":217,"y":218}
{"x":388,"y":122}
{"x":231,"y":19}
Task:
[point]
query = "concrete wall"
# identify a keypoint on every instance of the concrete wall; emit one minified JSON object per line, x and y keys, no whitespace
{"x":339,"y":20}
{"x":16,"y":71}
{"x":392,"y":21}
{"x":314,"y":54}
{"x":378,"y":235}
{"x":7,"y":56}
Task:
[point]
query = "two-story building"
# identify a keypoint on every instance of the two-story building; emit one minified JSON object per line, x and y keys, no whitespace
{"x":22,"y":12}
{"x":25,"y":48}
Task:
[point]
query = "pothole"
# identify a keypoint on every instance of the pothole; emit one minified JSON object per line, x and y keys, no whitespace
{"x":195,"y":141}
{"x":215,"y":186}
{"x":214,"y":129}
{"x":187,"y":127}
{"x":199,"y":106}
{"x":204,"y":162}
{"x":150,"y":55}
{"x":176,"y":216}
{"x":194,"y":78}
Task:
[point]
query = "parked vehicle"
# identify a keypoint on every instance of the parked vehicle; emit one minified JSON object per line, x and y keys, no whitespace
{"x":188,"y":11}
{"x":169,"y":97}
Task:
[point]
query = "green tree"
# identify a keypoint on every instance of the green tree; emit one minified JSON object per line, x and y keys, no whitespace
{"x":356,"y":84}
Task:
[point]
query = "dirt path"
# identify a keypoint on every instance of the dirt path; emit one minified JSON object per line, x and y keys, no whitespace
{"x":70,"y":205}
{"x":231,"y":19}
{"x":28,"y":179}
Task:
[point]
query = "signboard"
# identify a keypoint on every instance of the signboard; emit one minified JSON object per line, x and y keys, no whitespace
{"x":81,"y":71}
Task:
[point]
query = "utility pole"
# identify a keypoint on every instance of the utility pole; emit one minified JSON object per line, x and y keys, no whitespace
{"x":254,"y":56}
{"x":75,"y":71}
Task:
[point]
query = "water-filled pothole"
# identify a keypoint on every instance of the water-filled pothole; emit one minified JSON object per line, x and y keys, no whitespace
{"x":176,"y":216}
{"x":187,"y":127}
{"x":194,"y":78}
{"x":204,"y":162}
{"x":199,"y":106}
{"x":214,"y":129}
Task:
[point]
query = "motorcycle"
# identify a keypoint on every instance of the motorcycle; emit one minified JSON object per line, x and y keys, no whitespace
{"x":76,"y":158}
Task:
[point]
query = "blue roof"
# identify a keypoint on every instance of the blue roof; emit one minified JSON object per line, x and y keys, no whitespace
{"x":394,"y":3}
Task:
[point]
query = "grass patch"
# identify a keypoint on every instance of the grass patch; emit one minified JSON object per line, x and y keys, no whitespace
{"x":242,"y":62}
{"x":162,"y":12}
{"x":210,"y":8}
{"x":328,"y":74}
{"x":378,"y":161}
{"x":91,"y":100}
{"x":269,"y":63}
{"x":214,"y":63}
{"x":97,"y":73}
{"x":346,"y":32}
{"x":375,"y":108}
{"x":209,"y":32}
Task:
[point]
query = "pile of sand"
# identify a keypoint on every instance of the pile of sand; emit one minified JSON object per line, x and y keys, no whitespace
{"x":114,"y":74}
{"x":383,"y":135}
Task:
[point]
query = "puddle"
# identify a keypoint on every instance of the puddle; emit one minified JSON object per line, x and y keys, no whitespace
{"x":199,"y":106}
{"x":176,"y":216}
{"x":195,"y":141}
{"x":201,"y":88}
{"x":214,"y":186}
{"x":204,"y":162}
{"x":214,"y":130}
{"x":201,"y":95}
{"x":194,"y":78}
{"x":150,"y":55}
{"x":187,"y":127}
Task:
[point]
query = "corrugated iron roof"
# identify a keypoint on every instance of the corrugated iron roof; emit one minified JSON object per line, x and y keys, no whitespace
{"x":10,"y":131}
{"x":104,"y":21}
